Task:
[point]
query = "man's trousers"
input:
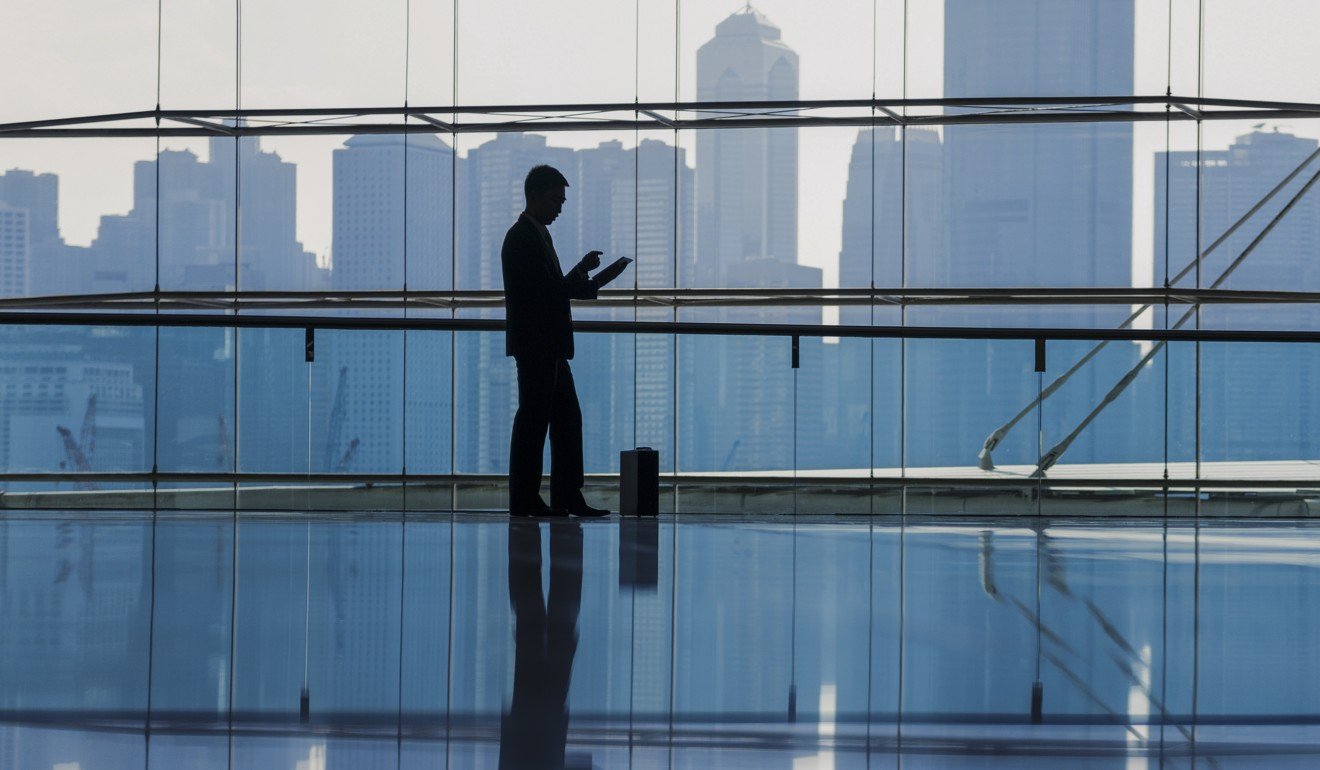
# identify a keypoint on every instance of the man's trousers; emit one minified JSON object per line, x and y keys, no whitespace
{"x":547,"y":399}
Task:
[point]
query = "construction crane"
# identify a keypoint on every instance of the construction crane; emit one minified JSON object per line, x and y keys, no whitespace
{"x":347,"y":460}
{"x":331,"y":459}
{"x":222,"y":443}
{"x":78,"y":453}
{"x":78,"y":457}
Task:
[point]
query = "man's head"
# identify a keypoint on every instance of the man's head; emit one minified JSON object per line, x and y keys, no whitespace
{"x":544,"y":189}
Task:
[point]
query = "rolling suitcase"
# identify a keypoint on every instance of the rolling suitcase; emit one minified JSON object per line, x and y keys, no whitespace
{"x":639,"y":482}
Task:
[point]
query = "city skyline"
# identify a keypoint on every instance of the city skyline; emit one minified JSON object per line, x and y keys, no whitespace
{"x":851,"y":48}
{"x":980,"y":209}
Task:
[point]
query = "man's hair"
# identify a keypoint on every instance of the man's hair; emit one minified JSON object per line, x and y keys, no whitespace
{"x":542,"y":178}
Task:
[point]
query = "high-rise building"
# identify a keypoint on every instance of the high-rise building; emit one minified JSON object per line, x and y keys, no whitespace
{"x":602,"y":210}
{"x":196,"y":210}
{"x":1024,"y":205}
{"x":392,"y":222}
{"x":746,"y":180}
{"x":192,"y":229}
{"x":15,"y":251}
{"x":630,"y":202}
{"x":39,"y":195}
{"x":183,"y":218}
{"x":1254,"y":399}
{"x":737,"y":393}
{"x":51,"y":265}
{"x":1036,"y":205}
{"x":893,"y":206}
{"x":664,"y":251}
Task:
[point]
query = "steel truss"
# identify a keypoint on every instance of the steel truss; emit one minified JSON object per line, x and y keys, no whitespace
{"x":652,"y":116}
{"x":693,"y":298}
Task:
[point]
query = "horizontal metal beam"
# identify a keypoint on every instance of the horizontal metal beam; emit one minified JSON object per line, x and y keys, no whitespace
{"x":694,"y":115}
{"x":768,"y":482}
{"x":377,"y":323}
{"x":705,"y":297}
{"x":621,"y":126}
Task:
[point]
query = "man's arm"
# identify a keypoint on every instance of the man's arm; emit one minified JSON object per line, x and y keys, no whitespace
{"x":527,"y":272}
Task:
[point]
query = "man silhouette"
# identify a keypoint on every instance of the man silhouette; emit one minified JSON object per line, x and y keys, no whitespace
{"x":534,"y":730}
{"x":539,"y":337}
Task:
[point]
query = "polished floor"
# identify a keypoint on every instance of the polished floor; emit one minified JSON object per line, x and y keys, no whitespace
{"x":317,"y":641}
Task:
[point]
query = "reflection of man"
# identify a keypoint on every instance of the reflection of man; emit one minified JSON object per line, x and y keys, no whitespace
{"x":534,"y":733}
{"x":540,"y":339}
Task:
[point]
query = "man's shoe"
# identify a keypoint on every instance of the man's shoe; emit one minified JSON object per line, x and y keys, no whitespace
{"x":537,"y":509}
{"x":581,"y":509}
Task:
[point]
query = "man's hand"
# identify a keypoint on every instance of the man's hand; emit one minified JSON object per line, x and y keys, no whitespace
{"x":590,"y":262}
{"x":610,"y":273}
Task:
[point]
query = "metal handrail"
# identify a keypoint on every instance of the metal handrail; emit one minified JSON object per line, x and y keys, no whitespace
{"x":379,"y":323}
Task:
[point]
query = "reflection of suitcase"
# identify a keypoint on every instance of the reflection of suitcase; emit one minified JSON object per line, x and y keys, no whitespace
{"x":639,"y":482}
{"x":639,"y":548}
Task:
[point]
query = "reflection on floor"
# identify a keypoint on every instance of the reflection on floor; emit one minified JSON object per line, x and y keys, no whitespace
{"x":209,"y":640}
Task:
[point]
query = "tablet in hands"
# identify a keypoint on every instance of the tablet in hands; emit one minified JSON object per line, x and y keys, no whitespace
{"x":612,"y":271}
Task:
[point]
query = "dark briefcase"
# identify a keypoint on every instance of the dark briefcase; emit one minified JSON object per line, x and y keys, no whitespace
{"x":639,"y":482}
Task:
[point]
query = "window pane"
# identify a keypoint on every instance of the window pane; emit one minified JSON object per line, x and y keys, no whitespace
{"x":273,"y":399}
{"x":78,"y":399}
{"x":1259,"y":51}
{"x":77,"y":216}
{"x":1098,"y":416}
{"x":356,"y":408}
{"x":968,"y":48}
{"x":196,"y":412}
{"x":485,"y":397}
{"x":958,"y":392}
{"x":305,"y":53}
{"x":79,"y":60}
{"x":504,"y":44}
{"x":199,"y":55}
{"x":428,"y":423}
{"x":735,"y":397}
{"x":1258,"y":409}
{"x":284,"y":211}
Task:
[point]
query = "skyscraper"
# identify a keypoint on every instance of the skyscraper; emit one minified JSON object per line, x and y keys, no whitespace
{"x":665,"y":237}
{"x":746,"y":180}
{"x":879,"y":228}
{"x":737,"y":393}
{"x":1036,"y":205}
{"x":630,"y":202}
{"x":15,"y":251}
{"x":1255,"y":399}
{"x":39,"y":195}
{"x":392,"y":214}
{"x":51,"y":265}
{"x":196,"y":232}
{"x":1024,"y":205}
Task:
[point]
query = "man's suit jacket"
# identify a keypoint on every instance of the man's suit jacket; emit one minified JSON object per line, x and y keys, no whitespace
{"x":536,"y":295}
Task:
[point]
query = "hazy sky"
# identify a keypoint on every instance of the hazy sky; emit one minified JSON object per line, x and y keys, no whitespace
{"x":70,"y":57}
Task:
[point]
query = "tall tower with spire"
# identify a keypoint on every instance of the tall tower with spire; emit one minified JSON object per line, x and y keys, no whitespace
{"x":738,"y":391}
{"x":746,"y":180}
